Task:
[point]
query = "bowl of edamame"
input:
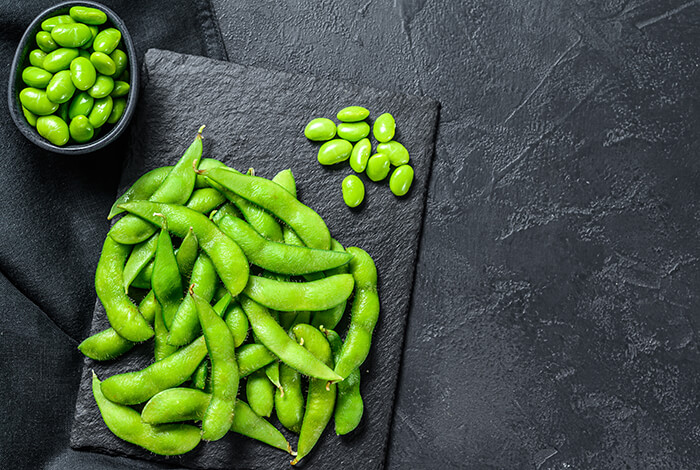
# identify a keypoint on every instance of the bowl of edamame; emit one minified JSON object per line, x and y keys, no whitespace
{"x":74,"y":79}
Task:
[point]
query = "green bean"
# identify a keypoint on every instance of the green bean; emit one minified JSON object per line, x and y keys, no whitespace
{"x":105,"y":345}
{"x":122,"y":314}
{"x":140,"y":256}
{"x":353,"y":131}
{"x":334,"y":151}
{"x":353,"y":191}
{"x":360,"y":154}
{"x":363,"y":314}
{"x":199,"y":378}
{"x":353,"y":114}
{"x":142,"y":189}
{"x":274,"y":198}
{"x":229,"y":261}
{"x":218,"y":416}
{"x":126,"y":424}
{"x":260,"y":393}
{"x":166,"y":280}
{"x":54,"y":129}
{"x":320,"y":398}
{"x":205,"y":200}
{"x":286,"y":296}
{"x":279,"y":257}
{"x":139,"y":386}
{"x":251,"y":357}
{"x":401,"y":179}
{"x":185,"y":326}
{"x":176,"y":188}
{"x":320,"y":129}
{"x":271,"y":334}
{"x":289,"y":399}
{"x":397,"y":153}
{"x":349,"y":406}
{"x":384,"y":128}
{"x":183,"y":404}
{"x":187,"y":253}
{"x":237,"y":322}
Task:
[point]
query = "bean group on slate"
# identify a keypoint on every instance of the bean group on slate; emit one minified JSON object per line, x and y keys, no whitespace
{"x":209,"y":253}
{"x":76,"y":80}
{"x":352,"y":143}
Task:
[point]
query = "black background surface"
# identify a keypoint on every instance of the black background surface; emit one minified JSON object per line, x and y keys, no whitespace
{"x":554,"y":318}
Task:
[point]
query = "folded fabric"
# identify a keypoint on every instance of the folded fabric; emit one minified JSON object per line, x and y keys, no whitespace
{"x":255,"y":118}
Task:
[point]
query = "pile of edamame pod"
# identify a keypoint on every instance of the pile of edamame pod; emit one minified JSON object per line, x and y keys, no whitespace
{"x":240,"y":286}
{"x":76,"y":80}
{"x":352,"y":143}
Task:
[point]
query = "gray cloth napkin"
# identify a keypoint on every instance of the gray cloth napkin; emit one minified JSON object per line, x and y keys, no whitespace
{"x":255,"y":118}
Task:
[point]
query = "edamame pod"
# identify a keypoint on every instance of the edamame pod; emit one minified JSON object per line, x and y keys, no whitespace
{"x":360,"y":155}
{"x":353,"y":191}
{"x":54,"y":129}
{"x":384,"y":128}
{"x":401,"y":179}
{"x":205,"y":200}
{"x":126,"y":424}
{"x":166,"y":281}
{"x":81,"y":105}
{"x":199,"y":378}
{"x":136,"y":387}
{"x":297,"y":296}
{"x":161,"y":348}
{"x":251,"y":357}
{"x":334,"y":151}
{"x":349,"y":406}
{"x":122,"y":314}
{"x":187,"y":253}
{"x":36,"y":77}
{"x":88,"y":15}
{"x":285,"y":178}
{"x":397,"y":153}
{"x":363,"y":315}
{"x":353,"y":131}
{"x":60,"y":89}
{"x":260,"y":393}
{"x":274,"y":198}
{"x":271,"y":334}
{"x":331,"y":317}
{"x":142,"y":189}
{"x":353,"y":114}
{"x":289,"y":399}
{"x":59,"y":59}
{"x":105,"y":345}
{"x":80,"y":129}
{"x":140,"y":256}
{"x":320,"y":129}
{"x":82,"y":73}
{"x":107,"y":40}
{"x":237,"y":322}
{"x":279,"y":257}
{"x":229,"y":261}
{"x":37,"y":102}
{"x":71,"y":34}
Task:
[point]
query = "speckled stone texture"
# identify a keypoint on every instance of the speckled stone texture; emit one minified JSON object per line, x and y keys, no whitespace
{"x":555,"y":314}
{"x":255,"y":118}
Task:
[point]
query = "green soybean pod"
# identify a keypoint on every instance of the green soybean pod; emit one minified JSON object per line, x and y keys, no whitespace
{"x":136,"y":387}
{"x":353,"y":114}
{"x":316,"y":295}
{"x":125,"y":423}
{"x":83,"y":73}
{"x":103,"y":63}
{"x":122,"y":314}
{"x":397,"y":153}
{"x":378,"y":167}
{"x":272,"y":372}
{"x":187,"y":254}
{"x":45,"y":42}
{"x":105,"y":345}
{"x":205,"y":200}
{"x":289,"y":399}
{"x":364,"y":313}
{"x":118,"y":107}
{"x":401,"y":179}
{"x":384,"y":128}
{"x":199,"y":378}
{"x":260,"y":393}
{"x":237,"y":322}
{"x":161,"y":348}
{"x":139,"y":257}
{"x":252,"y":357}
{"x":149,"y":306}
{"x":29,"y":116}
{"x":54,"y":129}
{"x":36,"y":58}
{"x":142,"y":188}
{"x":360,"y":154}
{"x":36,"y":77}
{"x":49,"y":23}
{"x":102,"y":87}
{"x":353,"y":131}
{"x":320,"y":398}
{"x":101,"y":111}
{"x":120,"y":89}
{"x":353,"y":191}
{"x":60,"y":89}
{"x":37,"y":102}
{"x":349,"y":406}
{"x":59,"y":59}
{"x":331,"y":317}
{"x":334,"y":151}
{"x":80,"y":129}
{"x":320,"y":129}
{"x":88,"y":15}
{"x":120,"y":61}
{"x":81,"y":104}
{"x":71,"y":34}
{"x":107,"y":40}
{"x":166,"y":280}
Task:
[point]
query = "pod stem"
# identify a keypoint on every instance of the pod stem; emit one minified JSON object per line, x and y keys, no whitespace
{"x":190,"y":290}
{"x":165,"y":221}
{"x":199,"y":132}
{"x":289,"y":449}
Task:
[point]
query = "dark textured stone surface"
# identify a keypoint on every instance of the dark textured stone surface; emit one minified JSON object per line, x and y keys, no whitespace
{"x":554,"y":321}
{"x":256,"y":118}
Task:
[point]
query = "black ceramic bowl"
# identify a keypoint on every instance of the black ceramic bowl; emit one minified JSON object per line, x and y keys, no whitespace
{"x":16,"y":84}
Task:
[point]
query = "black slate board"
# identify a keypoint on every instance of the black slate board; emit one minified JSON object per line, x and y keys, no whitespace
{"x":255,"y":118}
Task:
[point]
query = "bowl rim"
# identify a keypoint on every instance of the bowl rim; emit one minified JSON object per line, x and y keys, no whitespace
{"x":22,"y":51}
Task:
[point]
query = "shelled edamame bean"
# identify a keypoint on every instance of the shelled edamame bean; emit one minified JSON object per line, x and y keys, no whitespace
{"x":77,"y":62}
